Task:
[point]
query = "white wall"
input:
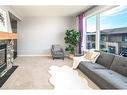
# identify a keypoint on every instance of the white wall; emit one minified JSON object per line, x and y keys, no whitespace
{"x":37,"y":34}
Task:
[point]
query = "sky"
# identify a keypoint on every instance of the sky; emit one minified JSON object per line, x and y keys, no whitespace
{"x":113,"y":18}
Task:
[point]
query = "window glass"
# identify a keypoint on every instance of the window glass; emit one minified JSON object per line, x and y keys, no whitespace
{"x":90,"y":33}
{"x":113,"y":30}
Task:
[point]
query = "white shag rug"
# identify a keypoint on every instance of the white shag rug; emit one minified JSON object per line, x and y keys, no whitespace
{"x":66,"y":78}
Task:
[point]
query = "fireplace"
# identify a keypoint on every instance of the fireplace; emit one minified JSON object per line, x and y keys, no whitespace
{"x":3,"y":63}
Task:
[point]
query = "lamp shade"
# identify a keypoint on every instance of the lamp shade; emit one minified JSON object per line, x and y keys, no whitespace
{"x":7,"y":35}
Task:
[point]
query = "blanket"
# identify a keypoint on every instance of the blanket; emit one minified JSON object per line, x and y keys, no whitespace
{"x":77,"y":60}
{"x":89,"y":56}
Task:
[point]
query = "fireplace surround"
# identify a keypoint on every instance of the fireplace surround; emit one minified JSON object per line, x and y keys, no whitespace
{"x":3,"y":58}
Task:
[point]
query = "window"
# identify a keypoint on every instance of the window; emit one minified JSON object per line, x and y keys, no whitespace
{"x":124,"y":38}
{"x":90,"y":33}
{"x":113,"y":30}
{"x":112,"y":27}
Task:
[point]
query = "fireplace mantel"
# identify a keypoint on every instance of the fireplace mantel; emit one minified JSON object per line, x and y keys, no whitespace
{"x":7,"y":35}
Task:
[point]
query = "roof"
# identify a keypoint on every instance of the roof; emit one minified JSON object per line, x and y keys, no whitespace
{"x":111,"y":31}
{"x":115,"y":31}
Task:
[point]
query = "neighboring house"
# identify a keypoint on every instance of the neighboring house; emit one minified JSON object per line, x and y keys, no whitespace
{"x":113,"y":40}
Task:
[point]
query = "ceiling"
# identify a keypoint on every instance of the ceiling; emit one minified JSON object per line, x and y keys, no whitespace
{"x":73,"y":10}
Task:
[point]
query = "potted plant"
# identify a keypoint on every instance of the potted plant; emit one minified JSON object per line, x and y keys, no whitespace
{"x":71,"y":39}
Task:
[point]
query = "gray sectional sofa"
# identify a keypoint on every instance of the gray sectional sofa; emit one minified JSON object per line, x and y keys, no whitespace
{"x":109,"y":71}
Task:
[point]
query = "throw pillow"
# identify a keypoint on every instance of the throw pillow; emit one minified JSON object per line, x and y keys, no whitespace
{"x":95,"y":56}
{"x":92,"y":56}
{"x":88,"y":55}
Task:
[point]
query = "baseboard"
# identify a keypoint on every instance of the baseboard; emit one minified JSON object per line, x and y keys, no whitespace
{"x":36,"y":55}
{"x":32,"y":55}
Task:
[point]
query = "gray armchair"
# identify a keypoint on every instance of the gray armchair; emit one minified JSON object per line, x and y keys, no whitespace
{"x":57,"y":52}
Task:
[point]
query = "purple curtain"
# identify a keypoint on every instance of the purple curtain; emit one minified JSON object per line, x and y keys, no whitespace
{"x":80,"y":28}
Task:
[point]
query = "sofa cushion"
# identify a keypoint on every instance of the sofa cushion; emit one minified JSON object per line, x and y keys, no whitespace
{"x":92,"y":65}
{"x":58,"y":52}
{"x":119,"y":65}
{"x":108,"y":79}
{"x":105,"y":59}
{"x":86,"y":67}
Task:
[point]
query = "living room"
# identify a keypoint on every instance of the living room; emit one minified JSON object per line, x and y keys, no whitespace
{"x":63,"y":47}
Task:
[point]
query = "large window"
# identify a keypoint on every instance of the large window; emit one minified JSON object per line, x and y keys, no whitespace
{"x":112,"y":27}
{"x":90,"y":33}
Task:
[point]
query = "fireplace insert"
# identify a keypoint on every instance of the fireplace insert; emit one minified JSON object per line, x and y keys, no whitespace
{"x":3,"y":63}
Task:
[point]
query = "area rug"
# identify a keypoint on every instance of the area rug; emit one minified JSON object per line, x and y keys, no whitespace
{"x":66,"y":78}
{"x":7,"y":75}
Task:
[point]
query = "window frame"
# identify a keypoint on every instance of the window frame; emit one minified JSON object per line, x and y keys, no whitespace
{"x":97,"y":38}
